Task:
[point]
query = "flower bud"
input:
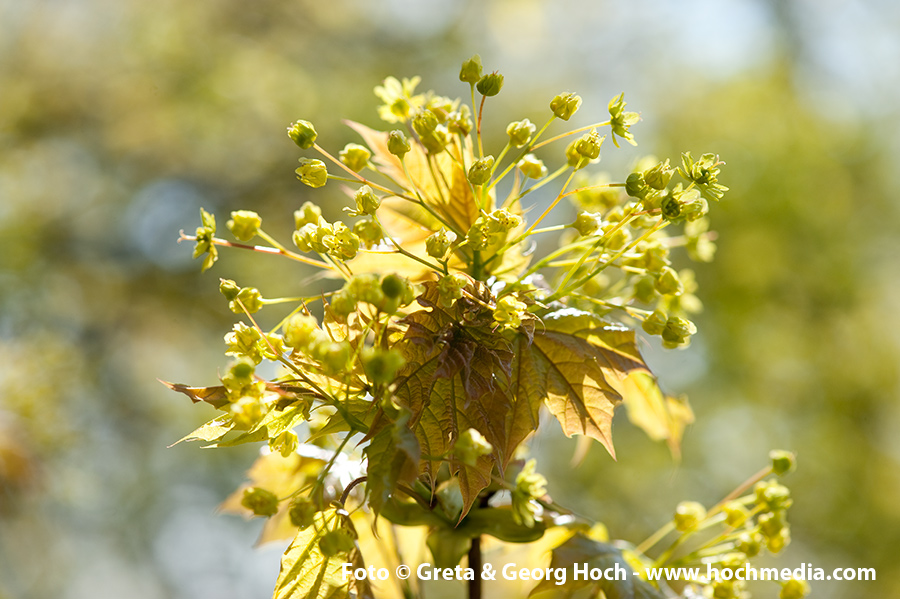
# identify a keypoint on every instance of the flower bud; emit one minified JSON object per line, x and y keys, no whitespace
{"x":520,"y":132}
{"x":249,"y":298}
{"x":620,"y":121}
{"x":471,"y":70}
{"x":655,"y":323}
{"x":470,"y":446}
{"x":573,"y":158}
{"x":532,"y":168}
{"x":589,"y":145}
{"x":303,"y":133}
{"x":459,"y":122}
{"x":285,"y":443}
{"x":635,"y":186}
{"x":773,"y":495}
{"x":771,"y":523}
{"x":688,"y":515}
{"x":587,"y":223}
{"x":302,"y":512}
{"x":659,"y":176}
{"x":480,"y":171}
{"x":509,"y":311}
{"x":366,"y":200}
{"x":490,"y":85}
{"x":396,"y":287}
{"x":312,"y":172}
{"x":246,"y":412}
{"x":244,"y":224}
{"x":668,"y":283}
{"x":334,"y":356}
{"x":565,"y":105}
{"x":750,"y":543}
{"x":735,"y":514}
{"x":450,"y":288}
{"x":783,"y":462}
{"x":502,"y":220}
{"x":300,"y":331}
{"x":794,"y":589}
{"x":439,"y":243}
{"x":308,"y":213}
{"x":382,"y":366}
{"x":368,"y":231}
{"x":775,"y":544}
{"x":229,"y":289}
{"x":397,"y":143}
{"x":355,"y":157}
{"x":678,"y":330}
{"x":424,"y":122}
{"x":260,"y":501}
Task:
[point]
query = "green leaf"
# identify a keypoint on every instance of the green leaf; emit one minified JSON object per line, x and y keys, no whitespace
{"x":579,"y":550}
{"x":271,"y":425}
{"x":307,"y":572}
{"x":393,"y":457}
{"x":213,"y":430}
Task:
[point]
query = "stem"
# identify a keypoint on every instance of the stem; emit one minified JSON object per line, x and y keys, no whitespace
{"x":349,"y":488}
{"x":572,"y":132}
{"x":261,"y":248}
{"x":552,"y":204}
{"x":475,"y":564}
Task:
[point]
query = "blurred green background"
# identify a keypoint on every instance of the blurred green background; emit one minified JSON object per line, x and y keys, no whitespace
{"x":120,"y":119}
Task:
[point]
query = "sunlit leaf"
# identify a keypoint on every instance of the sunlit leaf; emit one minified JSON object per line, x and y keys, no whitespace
{"x":663,"y":418}
{"x":215,"y":396}
{"x":213,"y":430}
{"x":309,"y":572}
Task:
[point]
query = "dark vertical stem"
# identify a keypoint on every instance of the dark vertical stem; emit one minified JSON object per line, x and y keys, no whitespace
{"x":475,"y":564}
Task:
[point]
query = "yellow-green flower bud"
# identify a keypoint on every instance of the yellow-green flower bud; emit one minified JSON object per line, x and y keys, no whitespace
{"x":382,"y":366}
{"x":229,"y":289}
{"x":303,"y":133}
{"x":471,"y":70}
{"x":342,"y":243}
{"x":620,"y":121}
{"x":334,"y":356}
{"x":425,"y":122}
{"x":343,"y":303}
{"x":490,"y":85}
{"x":368,"y":231}
{"x":470,"y":446}
{"x":396,"y":287}
{"x":260,"y":501}
{"x":794,"y":589}
{"x":688,"y":515}
{"x":771,"y":523}
{"x":783,"y":462}
{"x":589,"y":145}
{"x":532,"y":167}
{"x":573,"y":157}
{"x":459,"y":122}
{"x":355,"y":157}
{"x":244,"y":224}
{"x":724,"y":589}
{"x":509,"y":311}
{"x":284,"y":443}
{"x":246,"y":413}
{"x":678,"y":330}
{"x":735,"y":514}
{"x":450,"y":288}
{"x":502,"y":220}
{"x":249,"y":298}
{"x":655,"y":323}
{"x":750,"y":543}
{"x":668,"y":283}
{"x":635,"y":185}
{"x":565,"y":105}
{"x":439,"y":243}
{"x":659,"y":176}
{"x":366,"y":200}
{"x":300,"y":331}
{"x":773,"y":495}
{"x":520,"y":132}
{"x":397,"y":143}
{"x":775,"y":544}
{"x":480,"y":171}
{"x":302,"y":512}
{"x":312,"y":172}
{"x":587,"y":223}
{"x":308,"y":213}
